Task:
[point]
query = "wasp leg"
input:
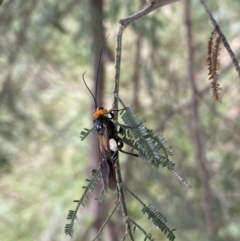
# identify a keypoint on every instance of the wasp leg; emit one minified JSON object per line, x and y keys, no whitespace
{"x":120,"y":130}
{"x":125,"y":126}
{"x":120,"y":146}
{"x":119,"y":124}
{"x":110,"y":112}
{"x":129,"y":153}
{"x":114,"y":155}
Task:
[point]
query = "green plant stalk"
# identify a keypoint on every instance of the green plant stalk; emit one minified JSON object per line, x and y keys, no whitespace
{"x":123,"y":24}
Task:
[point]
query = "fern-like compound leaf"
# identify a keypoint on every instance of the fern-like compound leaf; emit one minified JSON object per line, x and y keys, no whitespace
{"x":151,"y":147}
{"x":159,"y":220}
{"x":72,"y":215}
{"x":86,"y":132}
{"x":101,"y":196}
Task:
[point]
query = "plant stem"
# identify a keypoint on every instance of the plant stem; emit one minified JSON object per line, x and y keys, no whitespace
{"x":123,"y":23}
{"x":154,"y":5}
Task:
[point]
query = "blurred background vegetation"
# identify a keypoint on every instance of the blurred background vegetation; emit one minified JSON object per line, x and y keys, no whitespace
{"x":45,"y":47}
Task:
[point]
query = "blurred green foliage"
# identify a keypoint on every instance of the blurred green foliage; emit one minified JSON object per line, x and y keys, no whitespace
{"x":45,"y":47}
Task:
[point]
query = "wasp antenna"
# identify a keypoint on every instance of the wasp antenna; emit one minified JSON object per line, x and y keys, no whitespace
{"x":99,"y":61}
{"x":89,"y":89}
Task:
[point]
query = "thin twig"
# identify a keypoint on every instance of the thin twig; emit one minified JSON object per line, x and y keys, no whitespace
{"x":122,"y":200}
{"x":137,"y":198}
{"x":140,"y":228}
{"x":224,"y":40}
{"x":154,"y":5}
{"x":118,"y":53}
{"x":123,"y":24}
{"x":106,"y":221}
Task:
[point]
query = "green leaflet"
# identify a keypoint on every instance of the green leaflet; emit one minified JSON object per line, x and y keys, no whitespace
{"x":72,"y":215}
{"x":86,"y":132}
{"x":159,"y":220}
{"x":152,"y":147}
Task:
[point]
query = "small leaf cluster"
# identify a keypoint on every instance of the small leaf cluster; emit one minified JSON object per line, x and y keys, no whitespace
{"x":150,"y":146}
{"x":72,"y":215}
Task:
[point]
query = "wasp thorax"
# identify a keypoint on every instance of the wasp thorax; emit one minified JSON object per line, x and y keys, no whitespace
{"x":99,"y":111}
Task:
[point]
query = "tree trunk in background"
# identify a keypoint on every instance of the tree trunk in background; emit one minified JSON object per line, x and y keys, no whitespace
{"x":98,"y":37}
{"x":196,"y":129}
{"x":137,"y":67}
{"x":97,"y":33}
{"x":135,"y":80}
{"x":7,"y":92}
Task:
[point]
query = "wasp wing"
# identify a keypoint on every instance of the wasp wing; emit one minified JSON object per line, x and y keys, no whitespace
{"x":107,"y":165}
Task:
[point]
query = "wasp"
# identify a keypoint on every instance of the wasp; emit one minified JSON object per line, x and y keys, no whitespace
{"x":106,"y":130}
{"x":109,"y":141}
{"x":107,"y":134}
